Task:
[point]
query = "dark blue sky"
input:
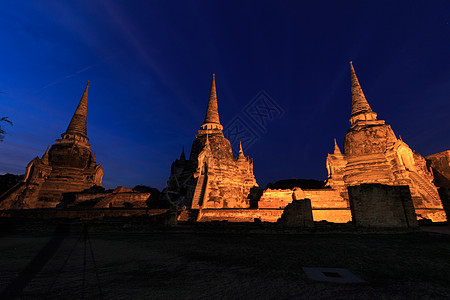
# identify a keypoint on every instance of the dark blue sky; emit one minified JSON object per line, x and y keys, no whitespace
{"x":150,"y":63}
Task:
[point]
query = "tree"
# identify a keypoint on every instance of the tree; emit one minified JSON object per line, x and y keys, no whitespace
{"x":2,"y":131}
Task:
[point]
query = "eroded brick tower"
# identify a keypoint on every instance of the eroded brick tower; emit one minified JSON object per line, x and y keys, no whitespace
{"x":211,"y":177}
{"x":68,"y":166}
{"x":373,"y":154}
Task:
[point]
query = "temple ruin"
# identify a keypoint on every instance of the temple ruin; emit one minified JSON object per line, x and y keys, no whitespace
{"x":69,"y":166}
{"x":373,"y":154}
{"x":376,"y":179}
{"x":211,"y":178}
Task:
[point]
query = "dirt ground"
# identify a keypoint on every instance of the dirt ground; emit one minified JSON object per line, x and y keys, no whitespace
{"x":124,"y":261}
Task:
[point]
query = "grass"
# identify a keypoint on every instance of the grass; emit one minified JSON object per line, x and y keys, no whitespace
{"x":210,"y":262}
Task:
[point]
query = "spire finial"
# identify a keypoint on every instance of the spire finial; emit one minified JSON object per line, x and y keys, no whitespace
{"x":241,"y":152}
{"x":44,"y":157}
{"x":336,"y":148}
{"x":182,"y":156}
{"x":78,"y":123}
{"x":359,"y":101}
{"x":212,"y":111}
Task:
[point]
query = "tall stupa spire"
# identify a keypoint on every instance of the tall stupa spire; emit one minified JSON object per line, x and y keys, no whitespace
{"x":212,"y":111}
{"x":360,"y":106}
{"x":78,"y":123}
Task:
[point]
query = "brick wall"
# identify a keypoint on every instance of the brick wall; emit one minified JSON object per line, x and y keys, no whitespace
{"x":379,"y":205}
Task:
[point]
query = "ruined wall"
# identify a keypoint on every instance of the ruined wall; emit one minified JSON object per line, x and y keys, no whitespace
{"x":120,"y":197}
{"x":297,"y":213}
{"x":444,"y":192}
{"x":275,"y":199}
{"x":327,"y":204}
{"x":440,"y":164}
{"x":377,"y":205}
{"x":239,"y":215}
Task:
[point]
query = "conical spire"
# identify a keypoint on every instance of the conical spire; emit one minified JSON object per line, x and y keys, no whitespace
{"x":241,"y":152}
{"x":78,"y":123}
{"x":359,"y":102}
{"x":44,"y":158}
{"x":212,"y":111}
{"x":336,"y":148}
{"x":182,"y":156}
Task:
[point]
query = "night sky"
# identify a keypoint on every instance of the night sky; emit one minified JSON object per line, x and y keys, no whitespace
{"x":150,"y":66}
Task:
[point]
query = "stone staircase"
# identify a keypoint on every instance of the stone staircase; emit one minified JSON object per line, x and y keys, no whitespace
{"x":426,"y":186}
{"x":188,"y":215}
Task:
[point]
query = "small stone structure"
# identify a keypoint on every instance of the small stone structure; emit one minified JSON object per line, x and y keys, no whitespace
{"x":380,"y":205}
{"x":297,"y":213}
{"x":211,"y":178}
{"x":69,"y":166}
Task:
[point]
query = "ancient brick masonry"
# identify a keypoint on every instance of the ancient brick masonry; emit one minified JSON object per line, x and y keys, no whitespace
{"x":379,"y":205}
{"x":211,"y":177}
{"x":373,"y":154}
{"x":69,"y":166}
{"x":440,"y":164}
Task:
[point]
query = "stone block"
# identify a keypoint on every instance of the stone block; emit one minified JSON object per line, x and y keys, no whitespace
{"x":298,"y":213}
{"x":378,"y":205}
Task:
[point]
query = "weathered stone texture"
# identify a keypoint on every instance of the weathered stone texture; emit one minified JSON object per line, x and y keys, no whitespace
{"x":68,"y":166}
{"x":327,"y":204}
{"x":444,"y":192}
{"x":373,"y":154}
{"x":211,"y":177}
{"x":440,"y":164}
{"x":119,"y":198}
{"x":378,"y":205}
{"x":239,"y":215}
{"x":297,"y":213}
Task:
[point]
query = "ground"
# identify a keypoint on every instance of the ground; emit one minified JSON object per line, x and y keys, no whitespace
{"x":136,"y":261}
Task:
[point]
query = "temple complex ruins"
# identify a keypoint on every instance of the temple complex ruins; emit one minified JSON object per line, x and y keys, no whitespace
{"x":69,"y":166}
{"x":377,"y":180}
{"x":211,"y":177}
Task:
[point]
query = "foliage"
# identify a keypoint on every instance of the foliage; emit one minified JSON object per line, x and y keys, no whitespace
{"x":7,"y":181}
{"x":2,"y":131}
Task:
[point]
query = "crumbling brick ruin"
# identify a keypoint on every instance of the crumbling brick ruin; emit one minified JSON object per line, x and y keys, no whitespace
{"x":211,"y":178}
{"x":373,"y":154}
{"x":380,"y":205}
{"x":69,"y":166}
{"x":370,"y":180}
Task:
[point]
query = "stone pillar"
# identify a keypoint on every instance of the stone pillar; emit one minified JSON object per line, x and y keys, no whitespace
{"x":379,"y":205}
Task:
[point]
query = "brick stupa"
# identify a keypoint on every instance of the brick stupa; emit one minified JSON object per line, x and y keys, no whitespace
{"x":373,"y":154}
{"x":69,"y":166}
{"x":211,"y":177}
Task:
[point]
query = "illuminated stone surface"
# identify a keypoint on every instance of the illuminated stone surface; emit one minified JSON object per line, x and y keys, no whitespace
{"x":119,"y":198}
{"x":373,"y":154}
{"x":298,"y":213}
{"x":211,"y":178}
{"x":68,"y":166}
{"x":327,"y":204}
{"x":380,"y":205}
{"x":440,"y":163}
